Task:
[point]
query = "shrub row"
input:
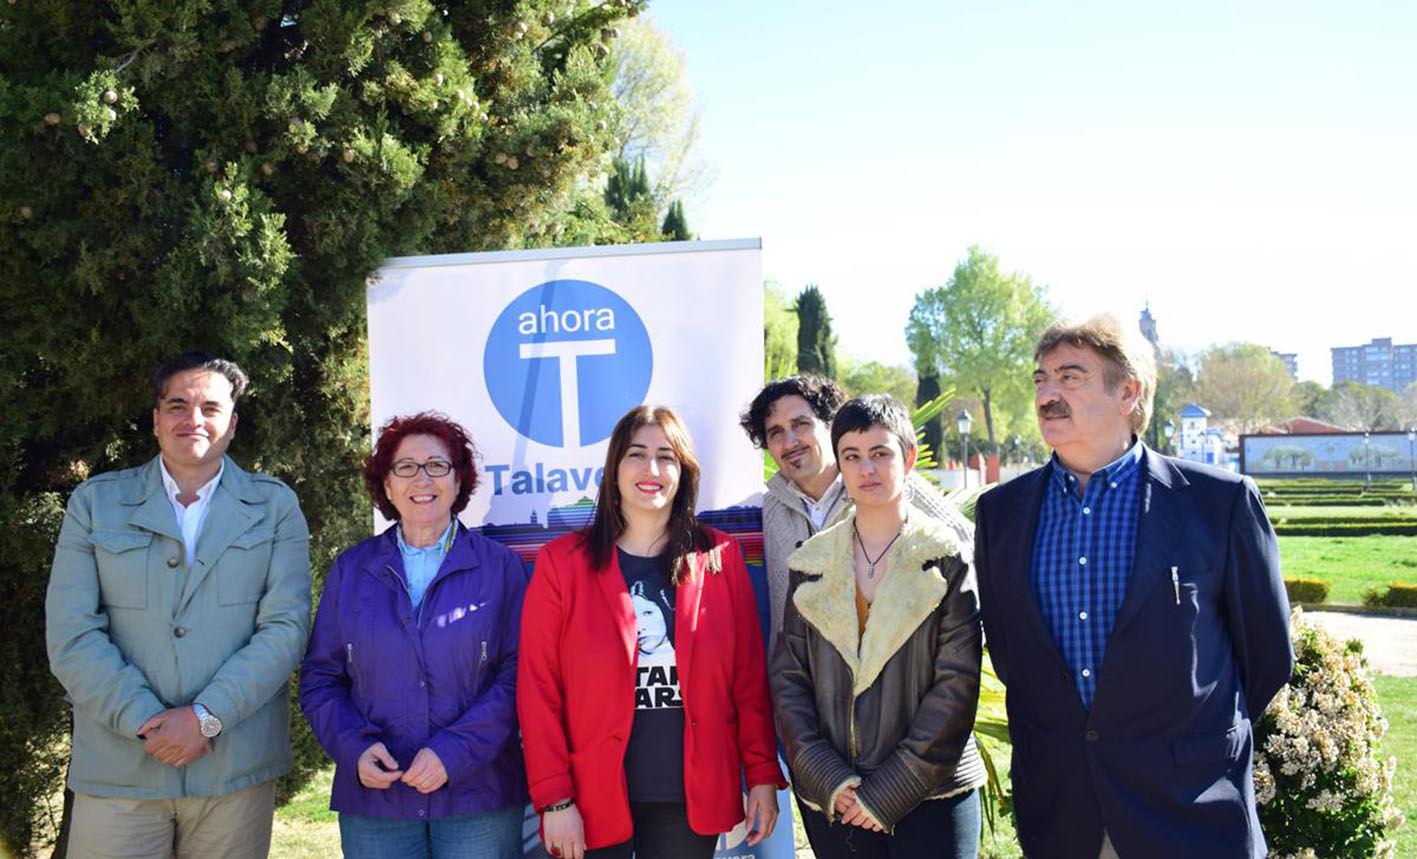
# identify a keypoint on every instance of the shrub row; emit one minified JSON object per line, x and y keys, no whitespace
{"x":1306,"y":590}
{"x":1325,"y":501}
{"x":1397,"y":595}
{"x":1365,"y":517}
{"x":1320,"y":528}
{"x":1382,"y":482}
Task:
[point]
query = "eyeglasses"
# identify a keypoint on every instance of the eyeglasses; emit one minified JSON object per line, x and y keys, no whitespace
{"x":432,"y":468}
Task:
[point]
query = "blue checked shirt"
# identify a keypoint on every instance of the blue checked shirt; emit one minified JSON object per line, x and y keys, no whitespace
{"x":1082,"y":560}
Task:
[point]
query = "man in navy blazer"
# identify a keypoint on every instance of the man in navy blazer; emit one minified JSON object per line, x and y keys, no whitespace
{"x":1134,"y":608}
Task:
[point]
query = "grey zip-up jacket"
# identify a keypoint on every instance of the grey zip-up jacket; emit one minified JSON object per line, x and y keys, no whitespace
{"x":786,"y":526}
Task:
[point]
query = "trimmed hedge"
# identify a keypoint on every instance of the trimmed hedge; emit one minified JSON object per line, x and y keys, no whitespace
{"x":1397,"y":595}
{"x":1338,"y":501}
{"x":1322,"y":528}
{"x":1306,"y":590}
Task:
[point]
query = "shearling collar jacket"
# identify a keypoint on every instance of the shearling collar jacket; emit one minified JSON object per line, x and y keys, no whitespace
{"x":894,"y":707}
{"x":786,"y":527}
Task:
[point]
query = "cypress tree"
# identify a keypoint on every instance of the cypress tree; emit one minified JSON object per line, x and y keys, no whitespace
{"x":933,"y":430}
{"x":816,"y":346}
{"x":676,"y":226}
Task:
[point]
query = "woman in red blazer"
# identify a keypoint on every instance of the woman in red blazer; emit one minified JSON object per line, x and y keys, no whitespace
{"x":642,"y":661}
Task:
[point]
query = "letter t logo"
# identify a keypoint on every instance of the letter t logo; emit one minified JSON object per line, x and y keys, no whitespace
{"x":566,"y":352}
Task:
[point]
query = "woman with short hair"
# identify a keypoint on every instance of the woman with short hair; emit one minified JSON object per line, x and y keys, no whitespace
{"x":876,"y":675}
{"x":410,"y":678}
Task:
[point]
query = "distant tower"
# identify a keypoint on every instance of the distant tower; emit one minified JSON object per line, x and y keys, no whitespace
{"x":1148,"y":328}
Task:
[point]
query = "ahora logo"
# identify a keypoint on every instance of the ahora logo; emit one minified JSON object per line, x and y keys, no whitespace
{"x":565,"y":360}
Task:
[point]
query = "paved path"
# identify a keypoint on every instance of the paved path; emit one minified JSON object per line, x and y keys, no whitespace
{"x":1390,"y":643}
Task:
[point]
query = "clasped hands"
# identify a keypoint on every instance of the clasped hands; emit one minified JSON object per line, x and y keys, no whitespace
{"x":848,"y":810}
{"x":174,"y":737}
{"x":378,"y":769}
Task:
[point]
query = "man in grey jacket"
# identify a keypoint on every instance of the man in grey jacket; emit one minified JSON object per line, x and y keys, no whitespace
{"x":178,"y":605}
{"x":791,"y":418}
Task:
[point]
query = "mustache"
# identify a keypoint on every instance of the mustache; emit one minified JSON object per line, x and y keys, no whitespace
{"x":1055,"y":409}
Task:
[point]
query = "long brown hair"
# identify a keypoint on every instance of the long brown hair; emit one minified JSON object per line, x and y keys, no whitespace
{"x":685,"y":535}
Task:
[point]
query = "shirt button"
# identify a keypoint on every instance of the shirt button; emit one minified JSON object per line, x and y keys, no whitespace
{"x":422,"y":684}
{"x":180,"y":631}
{"x":1082,"y":561}
{"x":1086,"y":511}
{"x":1087,"y":672}
{"x":1113,"y":485}
{"x":1082,"y":615}
{"x":1091,"y":736}
{"x":172,"y":562}
{"x":422,"y":813}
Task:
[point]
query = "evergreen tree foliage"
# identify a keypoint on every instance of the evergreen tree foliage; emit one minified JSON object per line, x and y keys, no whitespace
{"x":816,"y":345}
{"x":933,"y":430}
{"x":676,"y":226}
{"x":226,"y":175}
{"x":627,"y":186}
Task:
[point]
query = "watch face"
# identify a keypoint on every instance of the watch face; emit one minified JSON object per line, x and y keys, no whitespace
{"x":208,"y":724}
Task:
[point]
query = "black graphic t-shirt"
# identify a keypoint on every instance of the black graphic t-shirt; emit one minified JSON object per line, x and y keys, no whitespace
{"x":654,"y":759}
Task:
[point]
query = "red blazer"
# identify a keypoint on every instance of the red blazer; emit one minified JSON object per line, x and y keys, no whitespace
{"x":576,"y":681}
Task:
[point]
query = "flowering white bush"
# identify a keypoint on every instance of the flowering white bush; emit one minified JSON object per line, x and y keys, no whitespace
{"x":1321,"y":788}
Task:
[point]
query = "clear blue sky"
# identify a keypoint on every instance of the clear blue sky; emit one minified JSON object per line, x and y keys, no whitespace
{"x":1250,"y":168}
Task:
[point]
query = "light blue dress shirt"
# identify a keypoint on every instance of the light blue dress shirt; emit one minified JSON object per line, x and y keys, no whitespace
{"x":421,"y":565}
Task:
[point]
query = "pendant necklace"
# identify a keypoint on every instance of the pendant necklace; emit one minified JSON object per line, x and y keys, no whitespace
{"x":870,"y":564}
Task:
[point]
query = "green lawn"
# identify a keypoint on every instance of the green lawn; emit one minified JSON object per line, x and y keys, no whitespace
{"x":1399,"y":699}
{"x":1350,"y":565}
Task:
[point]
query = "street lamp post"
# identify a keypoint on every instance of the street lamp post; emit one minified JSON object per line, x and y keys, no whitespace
{"x":1170,"y":431}
{"x":1411,"y":459}
{"x":963,"y":421}
{"x":1367,"y":465}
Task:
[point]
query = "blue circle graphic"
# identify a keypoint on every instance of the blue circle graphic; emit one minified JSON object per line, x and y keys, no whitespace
{"x":567,"y":340}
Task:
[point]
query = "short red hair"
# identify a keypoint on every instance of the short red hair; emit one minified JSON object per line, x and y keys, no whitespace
{"x":454,"y":437}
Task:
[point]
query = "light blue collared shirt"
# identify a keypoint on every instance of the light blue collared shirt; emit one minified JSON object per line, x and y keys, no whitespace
{"x":421,"y":565}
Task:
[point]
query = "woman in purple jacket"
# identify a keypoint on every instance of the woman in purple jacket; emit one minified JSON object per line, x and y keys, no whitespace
{"x":410,"y":678}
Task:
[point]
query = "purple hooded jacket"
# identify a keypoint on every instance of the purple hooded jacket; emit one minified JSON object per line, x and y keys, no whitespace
{"x":442,"y":676}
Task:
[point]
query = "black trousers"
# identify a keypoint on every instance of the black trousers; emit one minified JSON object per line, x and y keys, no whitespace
{"x":661,"y":832}
{"x":936,"y":829}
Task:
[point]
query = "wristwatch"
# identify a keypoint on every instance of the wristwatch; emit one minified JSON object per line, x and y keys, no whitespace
{"x":210,"y":725}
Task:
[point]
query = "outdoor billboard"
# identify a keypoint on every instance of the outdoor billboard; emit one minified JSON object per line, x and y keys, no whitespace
{"x":1352,"y":455}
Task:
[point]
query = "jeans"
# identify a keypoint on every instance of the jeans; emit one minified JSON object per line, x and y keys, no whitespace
{"x":661,"y":832}
{"x":497,"y":835}
{"x":944,"y":828}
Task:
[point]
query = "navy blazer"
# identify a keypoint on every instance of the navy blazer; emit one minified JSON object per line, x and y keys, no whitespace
{"x":1163,"y":759}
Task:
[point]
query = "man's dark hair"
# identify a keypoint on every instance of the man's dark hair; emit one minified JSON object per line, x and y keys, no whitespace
{"x":874,"y":410}
{"x":823,"y":395}
{"x":197,"y":361}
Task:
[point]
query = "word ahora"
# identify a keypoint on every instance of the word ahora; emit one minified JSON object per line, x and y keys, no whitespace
{"x":548,"y":321}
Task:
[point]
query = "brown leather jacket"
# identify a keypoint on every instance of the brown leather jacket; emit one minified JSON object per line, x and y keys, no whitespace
{"x":894,"y":709}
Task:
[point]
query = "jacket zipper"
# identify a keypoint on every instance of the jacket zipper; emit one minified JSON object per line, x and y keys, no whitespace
{"x":851,"y":730}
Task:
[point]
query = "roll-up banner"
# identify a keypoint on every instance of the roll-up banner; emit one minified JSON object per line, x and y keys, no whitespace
{"x":539,"y":353}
